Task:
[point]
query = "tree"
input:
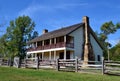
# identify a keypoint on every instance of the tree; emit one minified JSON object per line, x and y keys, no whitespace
{"x":17,"y":35}
{"x":3,"y":49}
{"x":106,"y":29}
{"x":35,"y":34}
{"x":115,"y":52}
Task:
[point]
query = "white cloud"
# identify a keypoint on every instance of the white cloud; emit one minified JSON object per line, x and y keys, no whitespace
{"x":30,"y":10}
{"x":34,"y":8}
{"x":70,"y":5}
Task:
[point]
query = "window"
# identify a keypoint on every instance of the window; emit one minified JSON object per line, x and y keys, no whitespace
{"x":98,"y":57}
{"x":39,"y":43}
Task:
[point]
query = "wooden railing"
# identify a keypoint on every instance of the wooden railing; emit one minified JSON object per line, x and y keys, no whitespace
{"x":57,"y":45}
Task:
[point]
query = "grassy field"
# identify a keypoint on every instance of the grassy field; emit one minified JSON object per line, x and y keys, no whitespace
{"x":14,"y":74}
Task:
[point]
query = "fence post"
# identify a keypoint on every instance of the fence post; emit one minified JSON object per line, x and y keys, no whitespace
{"x":2,"y":61}
{"x":57,"y":65}
{"x":103,"y":68}
{"x":25,"y":63}
{"x":76,"y":65}
{"x":37,"y":62}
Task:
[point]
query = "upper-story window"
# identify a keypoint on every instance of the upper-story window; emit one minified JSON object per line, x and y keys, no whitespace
{"x":52,"y":41}
{"x":39,"y":43}
{"x":70,"y":39}
{"x":60,"y":39}
{"x":47,"y":42}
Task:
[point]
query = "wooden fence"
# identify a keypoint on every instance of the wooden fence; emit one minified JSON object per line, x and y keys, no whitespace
{"x":5,"y":62}
{"x":112,"y":67}
{"x":74,"y":65}
{"x":77,"y":65}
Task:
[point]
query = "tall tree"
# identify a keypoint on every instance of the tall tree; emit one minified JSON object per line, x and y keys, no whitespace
{"x":106,"y":29}
{"x":17,"y":35}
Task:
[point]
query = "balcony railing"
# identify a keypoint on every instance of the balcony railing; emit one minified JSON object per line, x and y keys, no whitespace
{"x":57,"y":45}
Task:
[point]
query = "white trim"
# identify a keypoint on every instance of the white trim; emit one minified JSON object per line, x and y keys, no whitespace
{"x":56,"y":49}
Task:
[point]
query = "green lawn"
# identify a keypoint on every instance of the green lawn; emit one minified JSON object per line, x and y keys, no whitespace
{"x":14,"y":74}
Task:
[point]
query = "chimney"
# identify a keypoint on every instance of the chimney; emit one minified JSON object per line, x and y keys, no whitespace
{"x":86,"y":20}
{"x":45,"y":31}
{"x":88,"y":51}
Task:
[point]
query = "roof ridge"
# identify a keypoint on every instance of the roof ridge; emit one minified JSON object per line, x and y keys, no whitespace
{"x":65,"y":27}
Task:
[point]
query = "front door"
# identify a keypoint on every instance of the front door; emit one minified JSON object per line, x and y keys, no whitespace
{"x":61,"y":55}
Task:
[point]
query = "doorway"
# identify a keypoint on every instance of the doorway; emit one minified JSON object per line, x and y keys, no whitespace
{"x":61,"y":55}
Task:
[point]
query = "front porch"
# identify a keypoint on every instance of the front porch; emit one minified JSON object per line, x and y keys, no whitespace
{"x":52,"y":55}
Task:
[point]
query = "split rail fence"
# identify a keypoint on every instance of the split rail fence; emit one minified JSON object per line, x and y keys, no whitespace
{"x":72,"y":65}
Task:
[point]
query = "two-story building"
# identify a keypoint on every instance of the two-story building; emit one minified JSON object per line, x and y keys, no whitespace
{"x":76,"y":41}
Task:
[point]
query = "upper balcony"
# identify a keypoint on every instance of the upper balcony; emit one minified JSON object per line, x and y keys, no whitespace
{"x":52,"y":46}
{"x":59,"y":42}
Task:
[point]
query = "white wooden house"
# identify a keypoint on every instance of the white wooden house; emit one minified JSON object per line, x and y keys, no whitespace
{"x":76,"y":41}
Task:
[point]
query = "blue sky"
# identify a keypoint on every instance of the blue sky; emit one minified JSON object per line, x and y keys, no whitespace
{"x":54,"y":14}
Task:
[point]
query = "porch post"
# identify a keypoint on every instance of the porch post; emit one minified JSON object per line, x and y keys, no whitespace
{"x":35,"y":55}
{"x":50,"y":41}
{"x":32,"y":55}
{"x":36,"y":44}
{"x":42,"y":55}
{"x":54,"y":55}
{"x":54,"y":40}
{"x":65,"y":39}
{"x":50,"y":55}
{"x":43,"y":43}
{"x":65,"y":54}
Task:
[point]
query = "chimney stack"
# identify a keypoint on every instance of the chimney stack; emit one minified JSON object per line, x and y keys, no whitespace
{"x":86,"y":20}
{"x":88,"y":51}
{"x":45,"y":31}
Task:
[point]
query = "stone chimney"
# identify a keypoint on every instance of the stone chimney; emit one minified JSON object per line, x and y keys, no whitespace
{"x":85,"y":20}
{"x":88,"y":51}
{"x":45,"y":31}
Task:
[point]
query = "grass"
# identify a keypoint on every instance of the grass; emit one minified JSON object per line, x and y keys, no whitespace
{"x":15,"y":74}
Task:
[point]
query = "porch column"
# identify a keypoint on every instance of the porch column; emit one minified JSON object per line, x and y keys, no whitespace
{"x":36,"y":44}
{"x":43,"y":43}
{"x":65,"y":39}
{"x":54,"y":40}
{"x":54,"y":55}
{"x":35,"y":55}
{"x":50,"y":55}
{"x":65,"y":54}
{"x":50,"y":41}
{"x":42,"y":55}
{"x":32,"y":55}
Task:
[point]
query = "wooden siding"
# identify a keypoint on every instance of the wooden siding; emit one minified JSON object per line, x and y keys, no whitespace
{"x":96,"y":48}
{"x":78,"y":42}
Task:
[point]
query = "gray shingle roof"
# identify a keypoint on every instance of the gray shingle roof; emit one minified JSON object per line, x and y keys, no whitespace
{"x":57,"y":33}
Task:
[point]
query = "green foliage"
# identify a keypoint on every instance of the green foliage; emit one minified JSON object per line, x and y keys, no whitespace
{"x":16,"y":36}
{"x":115,"y":52}
{"x":106,"y":29}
